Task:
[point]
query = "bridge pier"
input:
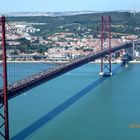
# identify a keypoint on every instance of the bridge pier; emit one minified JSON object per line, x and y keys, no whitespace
{"x":136,"y":46}
{"x":106,"y":65}
{"x":129,"y":55}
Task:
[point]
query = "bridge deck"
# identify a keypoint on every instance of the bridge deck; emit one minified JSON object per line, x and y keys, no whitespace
{"x":35,"y":80}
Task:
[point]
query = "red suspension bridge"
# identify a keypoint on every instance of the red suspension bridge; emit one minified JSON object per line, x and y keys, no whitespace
{"x":8,"y":91}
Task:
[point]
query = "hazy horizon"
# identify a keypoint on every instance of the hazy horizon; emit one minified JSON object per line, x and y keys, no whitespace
{"x":9,"y":6}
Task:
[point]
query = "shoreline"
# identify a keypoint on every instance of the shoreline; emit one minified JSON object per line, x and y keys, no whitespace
{"x":63,"y":62}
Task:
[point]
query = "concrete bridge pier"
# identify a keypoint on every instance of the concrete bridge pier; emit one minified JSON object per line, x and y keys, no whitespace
{"x":129,"y":55}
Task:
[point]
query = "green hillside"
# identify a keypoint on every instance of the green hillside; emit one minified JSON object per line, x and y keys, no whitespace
{"x":122,"y":22}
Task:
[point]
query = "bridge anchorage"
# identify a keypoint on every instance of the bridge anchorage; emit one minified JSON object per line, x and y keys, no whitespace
{"x":129,"y":55}
{"x":106,"y":69}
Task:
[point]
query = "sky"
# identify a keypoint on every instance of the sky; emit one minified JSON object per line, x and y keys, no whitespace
{"x":67,"y":5}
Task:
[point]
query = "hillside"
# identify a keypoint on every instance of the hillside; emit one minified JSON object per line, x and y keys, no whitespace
{"x":122,"y":22}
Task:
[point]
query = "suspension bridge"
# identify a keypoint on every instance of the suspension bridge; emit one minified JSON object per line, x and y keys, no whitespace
{"x":18,"y":87}
{"x":32,"y":81}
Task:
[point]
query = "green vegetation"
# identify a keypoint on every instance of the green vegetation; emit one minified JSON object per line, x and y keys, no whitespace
{"x":33,"y":48}
{"x":79,"y":24}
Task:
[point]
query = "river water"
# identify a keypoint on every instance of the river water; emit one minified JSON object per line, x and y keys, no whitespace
{"x":80,"y":105}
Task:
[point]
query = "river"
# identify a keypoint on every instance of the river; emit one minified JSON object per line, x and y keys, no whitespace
{"x":80,"y":105}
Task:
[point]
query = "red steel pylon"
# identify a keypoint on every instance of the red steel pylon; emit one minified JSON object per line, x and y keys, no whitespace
{"x":4,"y":127}
{"x":106,"y":69}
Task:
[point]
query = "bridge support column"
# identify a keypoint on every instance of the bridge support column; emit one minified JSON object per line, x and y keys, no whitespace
{"x":129,"y":55}
{"x":106,"y":68}
{"x":4,"y":127}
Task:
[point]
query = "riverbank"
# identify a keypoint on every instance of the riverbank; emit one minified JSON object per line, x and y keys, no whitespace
{"x":63,"y":62}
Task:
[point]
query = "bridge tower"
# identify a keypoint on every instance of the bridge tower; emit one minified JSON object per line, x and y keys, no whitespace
{"x":106,"y":69}
{"x":4,"y":126}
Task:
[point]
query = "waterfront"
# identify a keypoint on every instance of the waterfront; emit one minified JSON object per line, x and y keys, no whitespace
{"x":107,"y":111}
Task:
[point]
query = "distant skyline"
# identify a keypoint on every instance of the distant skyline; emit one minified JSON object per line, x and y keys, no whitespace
{"x":67,"y":5}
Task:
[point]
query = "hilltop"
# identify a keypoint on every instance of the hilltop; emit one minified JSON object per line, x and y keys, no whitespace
{"x":122,"y":22}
